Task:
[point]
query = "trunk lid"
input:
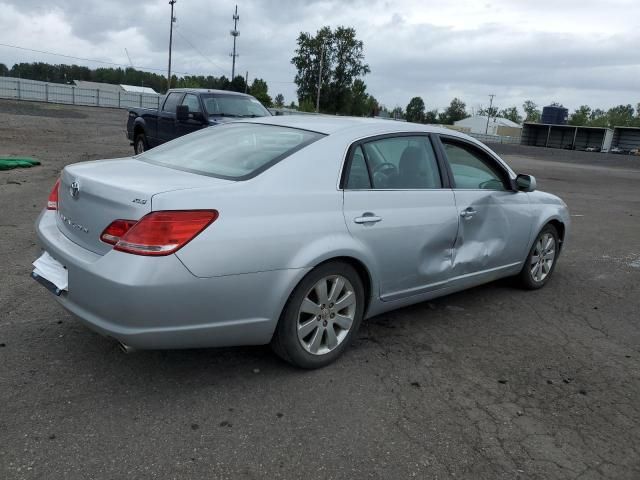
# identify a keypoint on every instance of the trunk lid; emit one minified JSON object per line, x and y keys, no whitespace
{"x":94,"y":194}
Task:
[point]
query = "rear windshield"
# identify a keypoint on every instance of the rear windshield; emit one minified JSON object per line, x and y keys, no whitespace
{"x":235,"y":151}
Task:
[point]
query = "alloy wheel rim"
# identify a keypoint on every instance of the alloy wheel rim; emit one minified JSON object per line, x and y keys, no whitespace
{"x":326,"y":315}
{"x":544,"y":254}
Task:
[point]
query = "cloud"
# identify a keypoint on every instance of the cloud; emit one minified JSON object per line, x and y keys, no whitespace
{"x":574,"y":52}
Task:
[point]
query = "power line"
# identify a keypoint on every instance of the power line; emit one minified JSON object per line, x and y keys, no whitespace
{"x":88,"y":59}
{"x":199,"y":52}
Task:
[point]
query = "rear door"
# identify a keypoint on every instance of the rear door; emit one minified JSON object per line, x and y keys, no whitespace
{"x":495,"y":221}
{"x":167,"y":129}
{"x":397,"y":205}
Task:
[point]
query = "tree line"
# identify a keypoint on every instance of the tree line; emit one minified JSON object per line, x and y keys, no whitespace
{"x":61,"y":73}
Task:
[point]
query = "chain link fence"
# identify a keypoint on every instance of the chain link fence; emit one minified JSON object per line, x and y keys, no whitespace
{"x":21,"y":89}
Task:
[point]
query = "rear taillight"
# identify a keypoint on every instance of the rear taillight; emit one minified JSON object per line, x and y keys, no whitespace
{"x":52,"y":202}
{"x":116,"y":230}
{"x":158,"y":233}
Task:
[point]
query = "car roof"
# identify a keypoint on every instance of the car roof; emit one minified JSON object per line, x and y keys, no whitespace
{"x":209,"y":90}
{"x":328,"y":124}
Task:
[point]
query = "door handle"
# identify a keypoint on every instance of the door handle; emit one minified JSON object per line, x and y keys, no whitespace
{"x":367,"y":218}
{"x":468,"y":213}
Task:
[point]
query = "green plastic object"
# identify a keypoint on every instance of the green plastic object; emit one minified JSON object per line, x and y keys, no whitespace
{"x":7,"y":163}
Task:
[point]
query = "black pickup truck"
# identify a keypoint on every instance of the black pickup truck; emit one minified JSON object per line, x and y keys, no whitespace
{"x":185,"y":110}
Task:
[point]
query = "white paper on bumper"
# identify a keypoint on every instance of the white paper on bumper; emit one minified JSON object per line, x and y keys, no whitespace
{"x":50,"y":269}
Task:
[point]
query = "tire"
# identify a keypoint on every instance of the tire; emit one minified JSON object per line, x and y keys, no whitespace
{"x":535,"y":274}
{"x":303,"y":335}
{"x":140,"y":144}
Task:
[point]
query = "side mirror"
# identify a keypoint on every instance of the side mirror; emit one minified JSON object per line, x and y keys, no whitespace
{"x":182,"y":113}
{"x":526,"y":183}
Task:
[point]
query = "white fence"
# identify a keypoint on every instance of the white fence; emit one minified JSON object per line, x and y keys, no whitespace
{"x":21,"y":89}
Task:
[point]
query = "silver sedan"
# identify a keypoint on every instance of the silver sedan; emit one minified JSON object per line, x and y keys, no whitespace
{"x":289,"y":231}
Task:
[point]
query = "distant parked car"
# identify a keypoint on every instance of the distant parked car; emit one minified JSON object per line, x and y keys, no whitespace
{"x":185,"y":110}
{"x":592,"y":149}
{"x":289,"y":230}
{"x":635,"y":151}
{"x":618,"y":150}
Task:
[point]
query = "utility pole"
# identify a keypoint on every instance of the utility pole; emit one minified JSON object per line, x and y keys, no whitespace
{"x":246,"y":82}
{"x":173,"y":19}
{"x":486,"y":130}
{"x":320,"y":78}
{"x":235,"y":33}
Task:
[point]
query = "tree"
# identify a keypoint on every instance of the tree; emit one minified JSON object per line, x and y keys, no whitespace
{"x":581,"y":116}
{"x":457,"y":110}
{"x":431,"y":116}
{"x":4,"y":71}
{"x":279,"y":100}
{"x":259,"y":89}
{"x":532,"y":114}
{"x":397,"y":113}
{"x":598,"y":118}
{"x":511,"y":113}
{"x":415,"y":110}
{"x":342,"y":60}
{"x":359,"y":99}
{"x":489,"y":111}
{"x":620,"y":116}
{"x":238,"y":84}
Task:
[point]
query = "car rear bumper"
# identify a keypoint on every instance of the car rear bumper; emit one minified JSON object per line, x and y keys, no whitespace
{"x":156,"y":303}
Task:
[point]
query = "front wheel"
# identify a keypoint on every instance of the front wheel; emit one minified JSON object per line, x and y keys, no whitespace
{"x":321,"y":317}
{"x":541,"y":260}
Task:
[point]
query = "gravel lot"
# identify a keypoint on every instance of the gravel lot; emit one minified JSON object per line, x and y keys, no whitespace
{"x":490,"y":383}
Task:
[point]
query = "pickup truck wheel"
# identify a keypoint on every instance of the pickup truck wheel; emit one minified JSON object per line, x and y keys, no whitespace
{"x":140,"y":144}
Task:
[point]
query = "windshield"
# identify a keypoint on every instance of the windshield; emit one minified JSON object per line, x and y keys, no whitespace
{"x":235,"y":151}
{"x":234,"y":106}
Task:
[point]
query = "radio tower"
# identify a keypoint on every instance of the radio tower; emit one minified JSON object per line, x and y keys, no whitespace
{"x":234,"y":33}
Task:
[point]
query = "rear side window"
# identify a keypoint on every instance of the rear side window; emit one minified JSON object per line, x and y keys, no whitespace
{"x":235,"y":151}
{"x":404,"y":163}
{"x":358,"y":177}
{"x":171,"y":102}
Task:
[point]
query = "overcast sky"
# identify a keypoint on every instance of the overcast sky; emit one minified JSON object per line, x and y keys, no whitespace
{"x":569,"y":51}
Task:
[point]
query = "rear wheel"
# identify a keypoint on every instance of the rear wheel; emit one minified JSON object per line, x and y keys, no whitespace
{"x":321,"y":317}
{"x":140,"y":143}
{"x":541,"y":260}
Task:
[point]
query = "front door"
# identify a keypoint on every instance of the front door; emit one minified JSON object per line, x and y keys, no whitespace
{"x":196,"y":118}
{"x":495,"y":221}
{"x":395,"y":204}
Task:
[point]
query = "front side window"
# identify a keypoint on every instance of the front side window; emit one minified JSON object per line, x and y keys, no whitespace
{"x":171,"y":102}
{"x":192,"y":102}
{"x":471,"y":168}
{"x":406,"y":162}
{"x":235,"y":151}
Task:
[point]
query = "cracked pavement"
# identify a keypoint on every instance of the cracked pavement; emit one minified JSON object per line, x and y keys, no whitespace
{"x":494,"y":382}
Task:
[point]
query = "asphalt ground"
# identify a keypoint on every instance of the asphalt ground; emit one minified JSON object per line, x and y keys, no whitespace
{"x":494,"y":382}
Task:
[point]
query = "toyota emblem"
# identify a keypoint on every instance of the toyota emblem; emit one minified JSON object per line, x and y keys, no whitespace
{"x":74,"y":190}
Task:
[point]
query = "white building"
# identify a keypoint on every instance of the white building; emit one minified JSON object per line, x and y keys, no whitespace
{"x":110,"y":87}
{"x":497,"y":126}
